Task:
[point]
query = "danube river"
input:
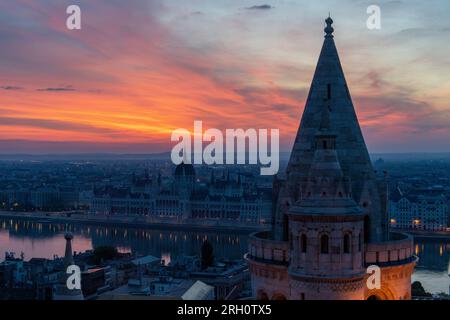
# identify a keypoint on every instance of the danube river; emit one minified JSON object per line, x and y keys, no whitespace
{"x":43,"y":239}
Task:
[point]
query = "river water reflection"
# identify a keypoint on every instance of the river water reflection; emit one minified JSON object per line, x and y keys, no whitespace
{"x":44,"y":240}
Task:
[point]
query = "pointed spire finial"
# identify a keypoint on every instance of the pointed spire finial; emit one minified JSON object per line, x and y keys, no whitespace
{"x":329,"y":29}
{"x":68,"y":236}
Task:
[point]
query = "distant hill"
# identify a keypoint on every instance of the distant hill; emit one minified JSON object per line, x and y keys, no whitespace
{"x":84,"y":156}
{"x":284,"y":156}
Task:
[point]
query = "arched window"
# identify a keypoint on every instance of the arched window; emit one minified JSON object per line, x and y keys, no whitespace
{"x":360,"y":241}
{"x":324,"y":244}
{"x":347,"y":243}
{"x":366,"y":229}
{"x":303,"y":243}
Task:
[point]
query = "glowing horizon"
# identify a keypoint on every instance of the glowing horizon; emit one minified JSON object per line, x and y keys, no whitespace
{"x":140,"y":69}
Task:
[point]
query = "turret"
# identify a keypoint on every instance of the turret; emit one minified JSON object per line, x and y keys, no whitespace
{"x":337,"y":128}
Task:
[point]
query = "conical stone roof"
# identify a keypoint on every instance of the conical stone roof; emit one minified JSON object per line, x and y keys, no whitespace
{"x":329,"y":90}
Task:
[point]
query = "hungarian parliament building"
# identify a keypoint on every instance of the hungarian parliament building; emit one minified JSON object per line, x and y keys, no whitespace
{"x":223,"y":199}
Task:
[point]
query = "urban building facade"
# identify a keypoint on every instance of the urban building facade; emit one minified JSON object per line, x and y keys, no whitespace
{"x":222,"y":199}
{"x":425,"y":210}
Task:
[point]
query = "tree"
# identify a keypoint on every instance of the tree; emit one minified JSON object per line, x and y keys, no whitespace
{"x":103,"y":253}
{"x":417,"y":290}
{"x":443,"y":295}
{"x":207,"y":255}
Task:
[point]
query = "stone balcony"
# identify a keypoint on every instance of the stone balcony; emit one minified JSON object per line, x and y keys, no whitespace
{"x":398,"y":250}
{"x":262,"y":248}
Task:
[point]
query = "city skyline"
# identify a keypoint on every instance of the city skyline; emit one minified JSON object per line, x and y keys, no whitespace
{"x":135,"y":72}
{"x":226,"y":150}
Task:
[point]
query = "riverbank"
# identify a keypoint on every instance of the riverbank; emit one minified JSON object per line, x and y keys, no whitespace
{"x":420,"y":234}
{"x":134,"y":222}
{"x":42,"y":237}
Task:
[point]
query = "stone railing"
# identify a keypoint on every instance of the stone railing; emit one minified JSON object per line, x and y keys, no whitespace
{"x":264,"y":249}
{"x":399,"y":248}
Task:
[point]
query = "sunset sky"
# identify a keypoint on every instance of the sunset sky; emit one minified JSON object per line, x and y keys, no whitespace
{"x":139,"y":69}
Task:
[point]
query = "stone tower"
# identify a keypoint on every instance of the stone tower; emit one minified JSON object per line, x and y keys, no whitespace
{"x":330,"y":216}
{"x":326,"y":227}
{"x":329,"y":89}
